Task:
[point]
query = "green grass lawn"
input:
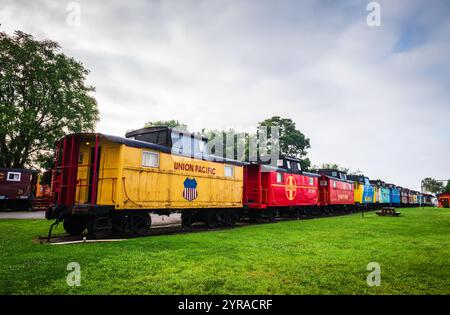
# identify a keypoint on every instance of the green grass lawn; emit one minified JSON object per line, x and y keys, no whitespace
{"x":319,"y":256}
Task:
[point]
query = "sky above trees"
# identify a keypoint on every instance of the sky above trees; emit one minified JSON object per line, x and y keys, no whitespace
{"x":374,"y":99}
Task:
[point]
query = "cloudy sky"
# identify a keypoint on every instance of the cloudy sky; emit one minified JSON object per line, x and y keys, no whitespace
{"x":371,"y":98}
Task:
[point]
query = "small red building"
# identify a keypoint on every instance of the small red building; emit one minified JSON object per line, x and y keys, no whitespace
{"x":444,"y":200}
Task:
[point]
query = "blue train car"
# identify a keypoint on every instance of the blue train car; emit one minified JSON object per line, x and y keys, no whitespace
{"x":394,"y":195}
{"x":382,"y":193}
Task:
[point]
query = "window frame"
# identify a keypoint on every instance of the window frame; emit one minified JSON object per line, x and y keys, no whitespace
{"x":13,"y":180}
{"x":279,"y":180}
{"x":150,"y":152}
{"x":230,"y":167}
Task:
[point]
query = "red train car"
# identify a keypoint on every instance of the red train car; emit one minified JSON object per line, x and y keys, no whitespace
{"x":17,"y":188}
{"x":336,"y":192}
{"x":279,"y":189}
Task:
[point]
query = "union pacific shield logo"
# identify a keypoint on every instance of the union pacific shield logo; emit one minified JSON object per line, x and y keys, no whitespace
{"x":190,"y":189}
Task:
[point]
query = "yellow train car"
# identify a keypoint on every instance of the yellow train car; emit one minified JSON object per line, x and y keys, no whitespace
{"x":358,"y":192}
{"x":105,"y":183}
{"x":364,"y":191}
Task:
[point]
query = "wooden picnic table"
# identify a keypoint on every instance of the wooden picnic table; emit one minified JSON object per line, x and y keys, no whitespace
{"x":388,"y":211}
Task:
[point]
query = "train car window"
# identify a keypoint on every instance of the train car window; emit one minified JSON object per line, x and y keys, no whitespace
{"x":279,"y":177}
{"x":280,"y":163}
{"x":288,"y":163}
{"x":177,"y":143}
{"x":149,"y":137}
{"x":162,"y":138}
{"x":150,"y":159}
{"x":13,"y":177}
{"x":334,"y":174}
{"x":228,"y":171}
{"x":294,"y":167}
{"x":311,"y":181}
{"x":80,"y":158}
{"x":299,"y":166}
{"x":199,"y":146}
{"x":202,"y":146}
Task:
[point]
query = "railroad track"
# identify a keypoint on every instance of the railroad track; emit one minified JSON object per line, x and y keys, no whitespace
{"x":169,"y":229}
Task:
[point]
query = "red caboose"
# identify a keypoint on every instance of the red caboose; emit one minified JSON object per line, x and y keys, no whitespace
{"x":279,"y":189}
{"x":336,"y":192}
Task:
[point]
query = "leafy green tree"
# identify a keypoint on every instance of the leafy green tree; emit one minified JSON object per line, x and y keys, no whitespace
{"x":335,"y":166}
{"x":447,"y":187}
{"x":355,"y":172}
{"x":292,"y":141}
{"x":432,"y":185}
{"x":43,"y":96}
{"x":167,"y":123}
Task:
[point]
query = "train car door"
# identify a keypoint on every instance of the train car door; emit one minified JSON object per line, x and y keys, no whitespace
{"x":93,"y":171}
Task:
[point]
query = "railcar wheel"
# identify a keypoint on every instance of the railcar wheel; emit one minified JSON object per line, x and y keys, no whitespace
{"x":186,"y":220}
{"x":212,"y":219}
{"x":140,"y":223}
{"x":99,"y":227}
{"x":228,"y":218}
{"x":120,"y":224}
{"x":269,"y":215}
{"x":74,"y":225}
